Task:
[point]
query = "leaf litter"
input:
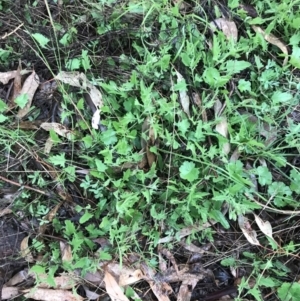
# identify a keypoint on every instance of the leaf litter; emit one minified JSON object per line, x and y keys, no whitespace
{"x":115,"y":276}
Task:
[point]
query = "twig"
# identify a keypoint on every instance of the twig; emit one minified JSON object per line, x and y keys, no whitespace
{"x":23,"y":186}
{"x":8,"y":34}
{"x":287,"y":212}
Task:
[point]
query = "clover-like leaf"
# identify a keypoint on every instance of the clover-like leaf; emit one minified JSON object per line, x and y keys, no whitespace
{"x":188,"y":171}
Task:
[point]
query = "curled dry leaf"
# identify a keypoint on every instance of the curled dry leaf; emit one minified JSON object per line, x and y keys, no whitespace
{"x":228,"y":28}
{"x":247,"y":230}
{"x":162,"y":263}
{"x":273,"y":40}
{"x":5,"y":77}
{"x":186,"y":289}
{"x":169,"y":256}
{"x":5,"y":211}
{"x":148,"y":131}
{"x":222,"y":126}
{"x":183,"y":96}
{"x":160,"y":289}
{"x":90,"y":294}
{"x":126,"y":275}
{"x":198,"y":102}
{"x":29,"y":87}
{"x":25,"y":250}
{"x":9,"y":293}
{"x":17,"y":83}
{"x":265,"y":227}
{"x":58,"y":128}
{"x":18,"y":278}
{"x":79,"y":80}
{"x":113,"y":289}
{"x":45,"y":294}
{"x":65,"y":282}
{"x":66,"y":251}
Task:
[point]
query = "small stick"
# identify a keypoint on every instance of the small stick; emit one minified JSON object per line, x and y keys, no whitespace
{"x":25,"y":186}
{"x":8,"y":34}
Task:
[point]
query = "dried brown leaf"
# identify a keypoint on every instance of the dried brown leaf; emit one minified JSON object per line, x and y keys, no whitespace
{"x":90,"y":294}
{"x":79,"y":80}
{"x":186,"y":289}
{"x":265,"y":227}
{"x":113,"y":289}
{"x":5,"y":77}
{"x":5,"y":211}
{"x":48,"y":145}
{"x":58,"y":128}
{"x":169,"y":256}
{"x":29,"y":87}
{"x":222,"y":126}
{"x":160,"y":289}
{"x":18,"y":278}
{"x":17,"y":83}
{"x":228,"y":28}
{"x":65,"y":282}
{"x":124,"y":274}
{"x":183,"y":96}
{"x":148,"y":132}
{"x":95,"y":278}
{"x":25,"y":250}
{"x":66,"y":251}
{"x":45,"y":294}
{"x":247,"y":230}
{"x":9,"y":293}
{"x":273,"y":40}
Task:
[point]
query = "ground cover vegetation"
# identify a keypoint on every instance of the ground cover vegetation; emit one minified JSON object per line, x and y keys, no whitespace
{"x":150,"y":149}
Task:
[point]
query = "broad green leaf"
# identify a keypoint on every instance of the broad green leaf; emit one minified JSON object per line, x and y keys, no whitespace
{"x":289,"y":291}
{"x":244,"y":85}
{"x":73,"y":64}
{"x":281,"y":97}
{"x":295,"y":183}
{"x":188,"y":171}
{"x":85,"y":60}
{"x":234,"y":66}
{"x":38,"y":269}
{"x":228,"y":262}
{"x":70,"y":170}
{"x":22,"y":100}
{"x":41,"y":39}
{"x":109,"y":137}
{"x":3,"y":106}
{"x":58,"y":160}
{"x":219,"y":217}
{"x":3,"y":118}
{"x":264,"y":176}
{"x":86,"y":216}
{"x":100,"y":165}
{"x":88,"y":141}
{"x":104,"y":256}
{"x":70,"y":228}
{"x":213,"y":78}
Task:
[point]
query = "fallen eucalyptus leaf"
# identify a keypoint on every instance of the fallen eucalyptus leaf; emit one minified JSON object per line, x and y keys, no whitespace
{"x":265,"y":227}
{"x":228,"y":28}
{"x":113,"y":289}
{"x":183,"y":96}
{"x":45,"y":294}
{"x":79,"y":80}
{"x":273,"y":40}
{"x":247,"y":230}
{"x":29,"y":88}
